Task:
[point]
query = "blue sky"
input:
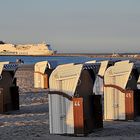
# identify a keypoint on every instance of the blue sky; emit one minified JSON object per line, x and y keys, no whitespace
{"x":91,"y":26}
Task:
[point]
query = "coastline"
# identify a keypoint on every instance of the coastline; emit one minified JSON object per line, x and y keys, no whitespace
{"x":92,"y":55}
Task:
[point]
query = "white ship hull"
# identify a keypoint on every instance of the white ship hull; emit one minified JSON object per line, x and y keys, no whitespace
{"x":29,"y":49}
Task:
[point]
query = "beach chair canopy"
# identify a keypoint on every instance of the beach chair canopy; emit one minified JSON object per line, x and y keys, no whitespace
{"x":65,"y":78}
{"x":42,"y":71}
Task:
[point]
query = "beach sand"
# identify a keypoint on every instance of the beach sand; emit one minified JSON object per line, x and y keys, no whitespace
{"x":31,"y":122}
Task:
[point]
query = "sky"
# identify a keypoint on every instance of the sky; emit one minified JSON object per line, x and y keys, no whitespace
{"x":73,"y":26}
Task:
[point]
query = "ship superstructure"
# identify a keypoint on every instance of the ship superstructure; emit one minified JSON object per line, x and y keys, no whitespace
{"x":25,"y":49}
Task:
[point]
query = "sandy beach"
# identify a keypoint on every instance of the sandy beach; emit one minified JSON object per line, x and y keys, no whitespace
{"x":31,"y":122}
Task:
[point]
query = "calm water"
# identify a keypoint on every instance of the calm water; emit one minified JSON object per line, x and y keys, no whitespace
{"x":60,"y":59}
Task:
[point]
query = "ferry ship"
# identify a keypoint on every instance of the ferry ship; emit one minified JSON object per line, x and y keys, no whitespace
{"x":26,"y":49}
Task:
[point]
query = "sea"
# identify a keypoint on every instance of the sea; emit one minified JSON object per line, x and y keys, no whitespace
{"x":59,"y":59}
